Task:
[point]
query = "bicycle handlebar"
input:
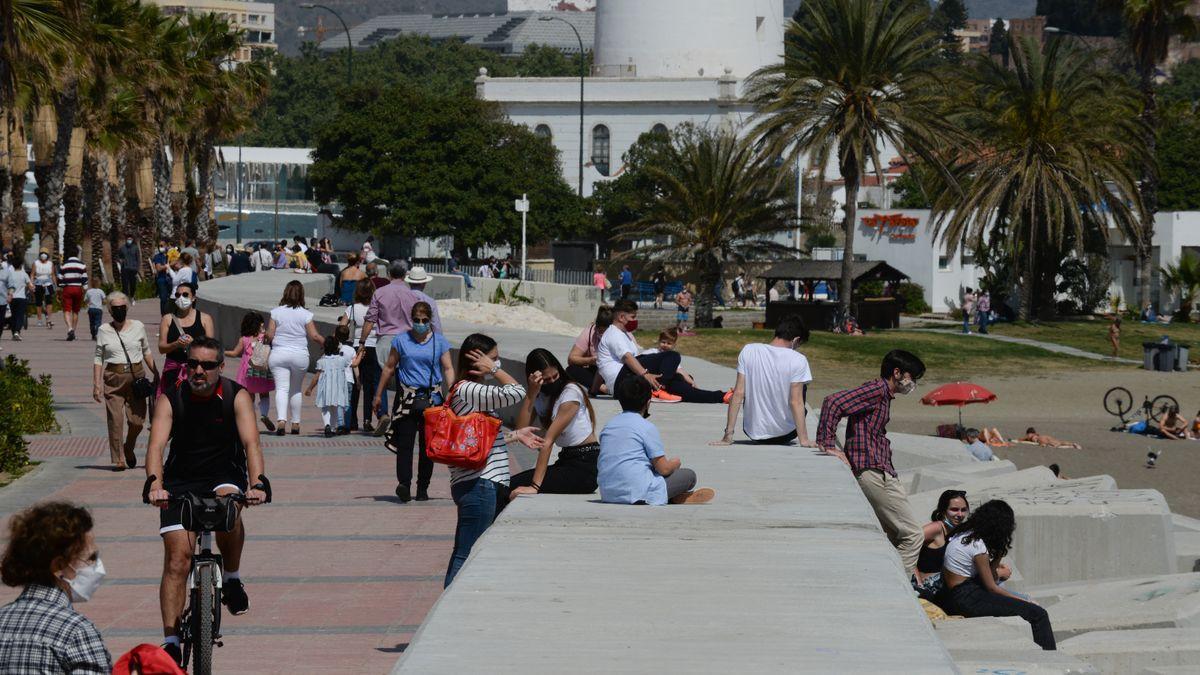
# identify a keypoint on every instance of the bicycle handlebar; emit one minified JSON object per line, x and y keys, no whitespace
{"x":237,"y":496}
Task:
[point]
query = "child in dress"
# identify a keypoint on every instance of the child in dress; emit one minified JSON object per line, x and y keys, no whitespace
{"x":330,"y":383}
{"x":257,"y":381}
{"x":342,"y":333}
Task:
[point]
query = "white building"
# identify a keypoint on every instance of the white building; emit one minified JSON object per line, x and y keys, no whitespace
{"x":257,"y":19}
{"x":656,"y":64}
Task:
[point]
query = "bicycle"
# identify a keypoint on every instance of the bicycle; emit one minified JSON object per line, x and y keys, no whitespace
{"x":1118,"y":402}
{"x":200,"y":624}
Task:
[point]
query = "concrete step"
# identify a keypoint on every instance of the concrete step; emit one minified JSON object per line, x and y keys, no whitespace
{"x":1158,"y":601}
{"x":1131,"y":651}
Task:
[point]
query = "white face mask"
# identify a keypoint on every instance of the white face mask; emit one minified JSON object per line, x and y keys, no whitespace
{"x":87,"y":579}
{"x":905,"y":387}
{"x":183,"y":302}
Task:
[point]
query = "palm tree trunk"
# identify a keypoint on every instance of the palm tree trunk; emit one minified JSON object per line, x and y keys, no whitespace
{"x":163,"y":221}
{"x":118,"y":228}
{"x":6,"y":234}
{"x":66,"y":106}
{"x":73,"y":196}
{"x":90,"y":217}
{"x":18,"y":164}
{"x":850,"y":173}
{"x":102,"y":223}
{"x":1028,"y":290}
{"x":178,"y":192}
{"x":206,"y":225}
{"x":140,"y":203}
{"x":708,"y":264}
{"x":1149,"y":185}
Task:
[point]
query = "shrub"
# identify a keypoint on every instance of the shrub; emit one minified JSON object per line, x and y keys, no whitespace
{"x":911,"y":298}
{"x":26,"y":407}
{"x":868,"y":289}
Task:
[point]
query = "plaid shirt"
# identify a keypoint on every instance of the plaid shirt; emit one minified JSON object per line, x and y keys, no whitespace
{"x":40,"y":633}
{"x":868,"y":408}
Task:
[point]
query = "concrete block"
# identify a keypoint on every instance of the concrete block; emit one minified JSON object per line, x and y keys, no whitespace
{"x":1169,"y":670}
{"x":910,"y":451}
{"x":1187,"y":550}
{"x":983,"y":488}
{"x":1128,"y":651}
{"x":937,"y":477}
{"x":983,"y":633}
{"x":1184,"y":523}
{"x":1026,"y":662}
{"x":1162,"y":601}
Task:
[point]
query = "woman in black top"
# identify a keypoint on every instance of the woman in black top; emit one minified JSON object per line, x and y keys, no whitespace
{"x":177,"y":331}
{"x":952,"y":509}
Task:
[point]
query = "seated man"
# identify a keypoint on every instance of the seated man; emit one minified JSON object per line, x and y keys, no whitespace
{"x":978,"y":448}
{"x":771,"y":380}
{"x":1032,"y":436}
{"x":210,"y":423}
{"x":633,"y":468}
{"x":685,"y":385}
{"x":1173,"y":425}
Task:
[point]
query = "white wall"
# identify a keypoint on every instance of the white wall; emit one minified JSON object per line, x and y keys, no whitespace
{"x":1174,"y":232}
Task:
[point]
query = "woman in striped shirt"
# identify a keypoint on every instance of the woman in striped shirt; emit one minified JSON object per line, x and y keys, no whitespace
{"x":480,"y":494}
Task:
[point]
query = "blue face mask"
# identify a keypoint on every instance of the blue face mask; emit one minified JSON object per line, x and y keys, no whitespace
{"x":420,"y":328}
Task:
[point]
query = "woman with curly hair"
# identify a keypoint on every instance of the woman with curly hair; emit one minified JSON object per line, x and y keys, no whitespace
{"x":969,"y":571}
{"x":52,"y":554}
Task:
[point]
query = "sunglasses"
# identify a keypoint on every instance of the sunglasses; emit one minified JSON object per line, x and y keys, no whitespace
{"x":207,"y":365}
{"x":422,"y":321}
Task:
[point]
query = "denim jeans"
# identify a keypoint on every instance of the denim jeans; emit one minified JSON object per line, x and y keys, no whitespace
{"x":95,"y":318}
{"x":971,"y":599}
{"x":369,"y":373}
{"x":477,"y":502}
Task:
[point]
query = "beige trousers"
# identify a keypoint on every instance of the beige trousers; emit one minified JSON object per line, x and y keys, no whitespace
{"x":890,"y":503}
{"x":122,"y":408}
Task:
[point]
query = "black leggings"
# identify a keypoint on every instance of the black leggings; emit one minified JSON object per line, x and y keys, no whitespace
{"x":970,"y":599}
{"x":574,"y":473}
{"x":400,"y":438}
{"x":666,"y":365}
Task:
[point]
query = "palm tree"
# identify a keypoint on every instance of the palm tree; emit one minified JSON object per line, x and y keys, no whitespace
{"x":856,"y":74}
{"x":1056,"y":140}
{"x":1150,"y":27}
{"x":1183,"y":276}
{"x":718,"y":198}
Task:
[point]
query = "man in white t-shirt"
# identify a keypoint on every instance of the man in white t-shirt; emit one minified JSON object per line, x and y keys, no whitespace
{"x":617,"y":356}
{"x":771,"y":380}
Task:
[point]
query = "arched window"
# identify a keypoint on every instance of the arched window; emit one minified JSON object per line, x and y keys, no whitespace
{"x":660,"y":129}
{"x":543,"y":131}
{"x":600,"y":149}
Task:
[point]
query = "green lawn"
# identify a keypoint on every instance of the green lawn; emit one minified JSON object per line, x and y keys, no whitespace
{"x":1092,"y":336}
{"x":947,"y":356}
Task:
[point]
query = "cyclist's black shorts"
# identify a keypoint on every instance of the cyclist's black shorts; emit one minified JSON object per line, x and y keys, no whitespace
{"x":171,"y":518}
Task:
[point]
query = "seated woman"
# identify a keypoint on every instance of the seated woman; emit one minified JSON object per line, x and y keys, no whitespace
{"x":952,"y":509}
{"x":991,"y":436}
{"x":563,"y":410}
{"x":973,"y":553}
{"x":1032,"y":436}
{"x":581,"y":362}
{"x":1173,"y":426}
{"x":1193,"y":431}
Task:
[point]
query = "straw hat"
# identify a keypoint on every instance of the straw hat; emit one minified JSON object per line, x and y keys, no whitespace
{"x":417,"y":275}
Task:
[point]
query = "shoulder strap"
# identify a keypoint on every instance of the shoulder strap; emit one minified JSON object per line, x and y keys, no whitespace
{"x":123,"y":348}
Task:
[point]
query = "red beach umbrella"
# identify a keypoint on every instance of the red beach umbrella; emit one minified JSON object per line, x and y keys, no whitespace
{"x":958,"y":394}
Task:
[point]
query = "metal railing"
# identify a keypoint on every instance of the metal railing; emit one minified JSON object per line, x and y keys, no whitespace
{"x":570,"y":277}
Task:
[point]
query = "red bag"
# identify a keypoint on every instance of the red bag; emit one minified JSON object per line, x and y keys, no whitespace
{"x":459,"y":441}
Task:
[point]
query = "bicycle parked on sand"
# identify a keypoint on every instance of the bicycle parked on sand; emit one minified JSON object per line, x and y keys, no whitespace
{"x":200,"y":625}
{"x":1118,"y":402}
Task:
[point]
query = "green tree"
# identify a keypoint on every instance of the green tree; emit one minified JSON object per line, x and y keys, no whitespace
{"x":407,"y":162}
{"x":998,"y":41}
{"x":909,"y":191}
{"x":1055,"y":144}
{"x":1184,"y":277}
{"x":855,"y":74}
{"x":719,"y":200}
{"x":1178,"y":153}
{"x":1184,"y":85}
{"x":947,"y":17}
{"x":625,"y":198}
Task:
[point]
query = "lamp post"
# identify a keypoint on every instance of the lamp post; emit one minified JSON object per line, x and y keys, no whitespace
{"x":582,"y":64}
{"x":1055,"y":30}
{"x":349,"y":44}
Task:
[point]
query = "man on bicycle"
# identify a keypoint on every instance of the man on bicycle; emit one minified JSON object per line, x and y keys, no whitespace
{"x":212,"y":427}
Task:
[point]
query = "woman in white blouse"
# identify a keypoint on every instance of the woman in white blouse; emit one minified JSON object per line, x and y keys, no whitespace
{"x":122,"y":355}
{"x":479,"y":494}
{"x":289,"y":331}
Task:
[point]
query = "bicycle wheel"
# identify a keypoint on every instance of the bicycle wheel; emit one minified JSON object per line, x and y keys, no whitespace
{"x":202,"y":636}
{"x":1160,"y":405}
{"x":1118,"y":401}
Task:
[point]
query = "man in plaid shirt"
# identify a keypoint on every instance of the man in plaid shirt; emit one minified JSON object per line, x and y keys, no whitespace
{"x":869,"y":454}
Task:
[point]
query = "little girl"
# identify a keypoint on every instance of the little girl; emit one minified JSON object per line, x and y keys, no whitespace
{"x":255,"y":380}
{"x":332,"y":397}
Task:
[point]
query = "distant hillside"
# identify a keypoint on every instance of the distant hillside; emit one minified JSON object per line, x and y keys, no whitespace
{"x":289,"y":16}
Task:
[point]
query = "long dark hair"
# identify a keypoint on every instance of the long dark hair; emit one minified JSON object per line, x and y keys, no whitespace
{"x":993,"y":524}
{"x":474,"y":341}
{"x":944,"y":503}
{"x":252,"y":322}
{"x":540,"y":359}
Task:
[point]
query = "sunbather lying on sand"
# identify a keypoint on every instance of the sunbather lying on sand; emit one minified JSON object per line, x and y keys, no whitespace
{"x":1032,"y":436}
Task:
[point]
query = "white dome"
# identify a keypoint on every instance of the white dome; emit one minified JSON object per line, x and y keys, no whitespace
{"x":687,"y":38}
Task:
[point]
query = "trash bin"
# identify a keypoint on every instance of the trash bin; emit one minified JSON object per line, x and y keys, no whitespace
{"x":1181,"y":357}
{"x":1164,"y":357}
{"x":1149,"y":349}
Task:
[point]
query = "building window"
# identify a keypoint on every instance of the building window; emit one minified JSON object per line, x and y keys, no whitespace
{"x":660,"y":129}
{"x":943,"y":262}
{"x":600,"y":149}
{"x":543,"y":131}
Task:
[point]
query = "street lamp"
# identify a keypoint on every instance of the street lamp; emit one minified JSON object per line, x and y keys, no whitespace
{"x":581,"y":74}
{"x":349,"y":45}
{"x":1055,"y":30}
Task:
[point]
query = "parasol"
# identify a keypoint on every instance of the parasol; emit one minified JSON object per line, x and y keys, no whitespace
{"x":958,"y":394}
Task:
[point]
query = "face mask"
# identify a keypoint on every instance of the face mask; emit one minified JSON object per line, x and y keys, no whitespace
{"x":420,"y":328}
{"x":905,"y":387}
{"x":631,"y":325}
{"x":119,"y":312}
{"x":183,"y":302}
{"x":553,"y":389}
{"x":162,"y":249}
{"x":44,"y":257}
{"x":129,"y":242}
{"x":87,"y":580}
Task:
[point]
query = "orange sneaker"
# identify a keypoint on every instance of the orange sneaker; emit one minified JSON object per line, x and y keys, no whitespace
{"x":698,"y":496}
{"x":728,"y":395}
{"x":664,"y":396}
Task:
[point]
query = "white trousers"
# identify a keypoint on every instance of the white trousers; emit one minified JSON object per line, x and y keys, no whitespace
{"x":288,"y":368}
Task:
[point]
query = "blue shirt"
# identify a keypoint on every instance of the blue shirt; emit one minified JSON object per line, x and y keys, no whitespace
{"x":981,"y":451}
{"x":626,"y":278}
{"x":628,"y":444}
{"x":420,"y":364}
